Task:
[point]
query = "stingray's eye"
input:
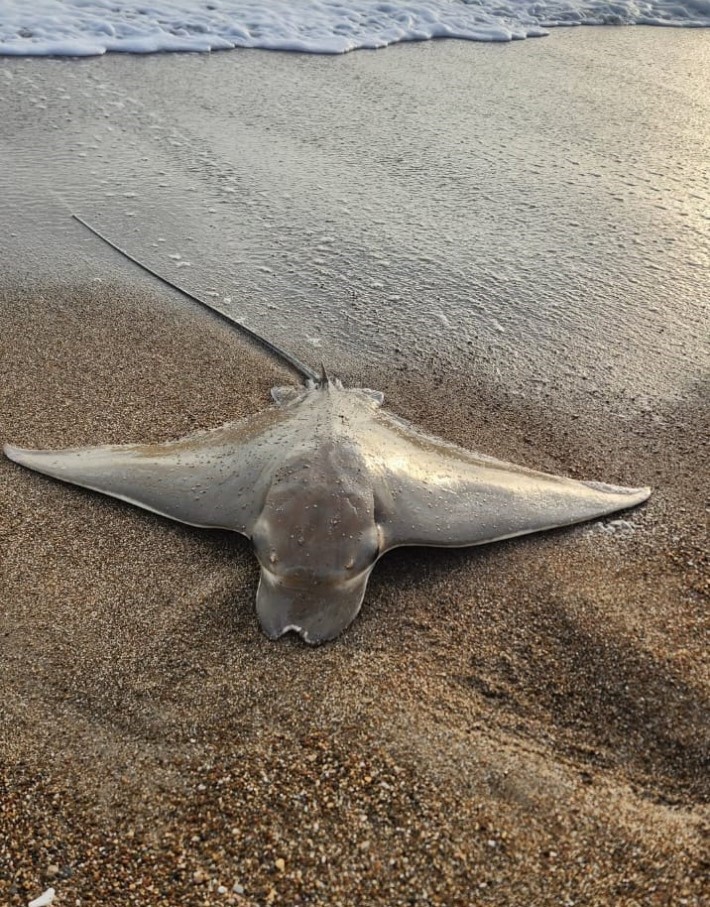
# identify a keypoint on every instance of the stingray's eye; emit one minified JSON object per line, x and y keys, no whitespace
{"x":273,"y":557}
{"x":350,"y":563}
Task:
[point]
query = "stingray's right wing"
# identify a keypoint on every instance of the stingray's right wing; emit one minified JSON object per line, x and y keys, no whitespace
{"x":434,"y":493}
{"x":214,"y":479}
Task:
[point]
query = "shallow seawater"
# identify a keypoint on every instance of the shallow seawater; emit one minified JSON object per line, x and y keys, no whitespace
{"x":535,"y":211}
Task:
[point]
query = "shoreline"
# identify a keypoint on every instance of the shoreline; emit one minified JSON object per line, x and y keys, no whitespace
{"x":520,"y":723}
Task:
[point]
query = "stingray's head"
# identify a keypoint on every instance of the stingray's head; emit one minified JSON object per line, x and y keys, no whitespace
{"x":317,"y":545}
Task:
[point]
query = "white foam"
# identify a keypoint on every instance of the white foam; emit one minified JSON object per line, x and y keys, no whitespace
{"x":88,"y":27}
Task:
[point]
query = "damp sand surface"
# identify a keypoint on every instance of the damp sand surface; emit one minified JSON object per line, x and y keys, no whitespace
{"x":523,"y":723}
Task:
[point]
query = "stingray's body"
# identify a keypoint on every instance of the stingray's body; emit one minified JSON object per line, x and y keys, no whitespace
{"x":324,"y":483}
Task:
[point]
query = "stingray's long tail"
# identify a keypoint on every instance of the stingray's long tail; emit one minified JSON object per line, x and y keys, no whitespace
{"x":296,"y":364}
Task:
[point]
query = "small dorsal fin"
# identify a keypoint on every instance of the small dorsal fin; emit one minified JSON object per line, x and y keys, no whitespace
{"x":324,"y":376}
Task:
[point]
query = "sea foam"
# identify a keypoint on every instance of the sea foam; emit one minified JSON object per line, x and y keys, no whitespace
{"x":88,"y":27}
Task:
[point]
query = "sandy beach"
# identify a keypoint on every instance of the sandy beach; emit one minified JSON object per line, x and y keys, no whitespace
{"x":519,"y":724}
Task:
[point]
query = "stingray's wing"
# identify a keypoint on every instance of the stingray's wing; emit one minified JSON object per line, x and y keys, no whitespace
{"x":214,"y":479}
{"x":430,"y":492}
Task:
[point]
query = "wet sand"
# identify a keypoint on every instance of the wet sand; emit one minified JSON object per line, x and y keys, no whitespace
{"x":524,"y":723}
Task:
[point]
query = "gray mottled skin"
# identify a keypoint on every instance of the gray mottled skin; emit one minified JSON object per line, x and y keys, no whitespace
{"x":324,"y":483}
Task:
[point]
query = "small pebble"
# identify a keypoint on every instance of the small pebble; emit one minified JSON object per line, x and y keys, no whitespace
{"x":44,"y":900}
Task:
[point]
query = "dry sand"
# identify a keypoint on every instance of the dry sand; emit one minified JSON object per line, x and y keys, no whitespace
{"x":522,"y":724}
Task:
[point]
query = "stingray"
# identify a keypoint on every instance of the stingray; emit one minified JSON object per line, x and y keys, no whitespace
{"x":324,"y":482}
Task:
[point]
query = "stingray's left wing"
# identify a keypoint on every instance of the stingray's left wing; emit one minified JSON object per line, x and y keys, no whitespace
{"x":214,"y":479}
{"x":430,"y":492}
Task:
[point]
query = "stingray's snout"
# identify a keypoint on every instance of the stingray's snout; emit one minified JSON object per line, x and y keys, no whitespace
{"x":317,"y":612}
